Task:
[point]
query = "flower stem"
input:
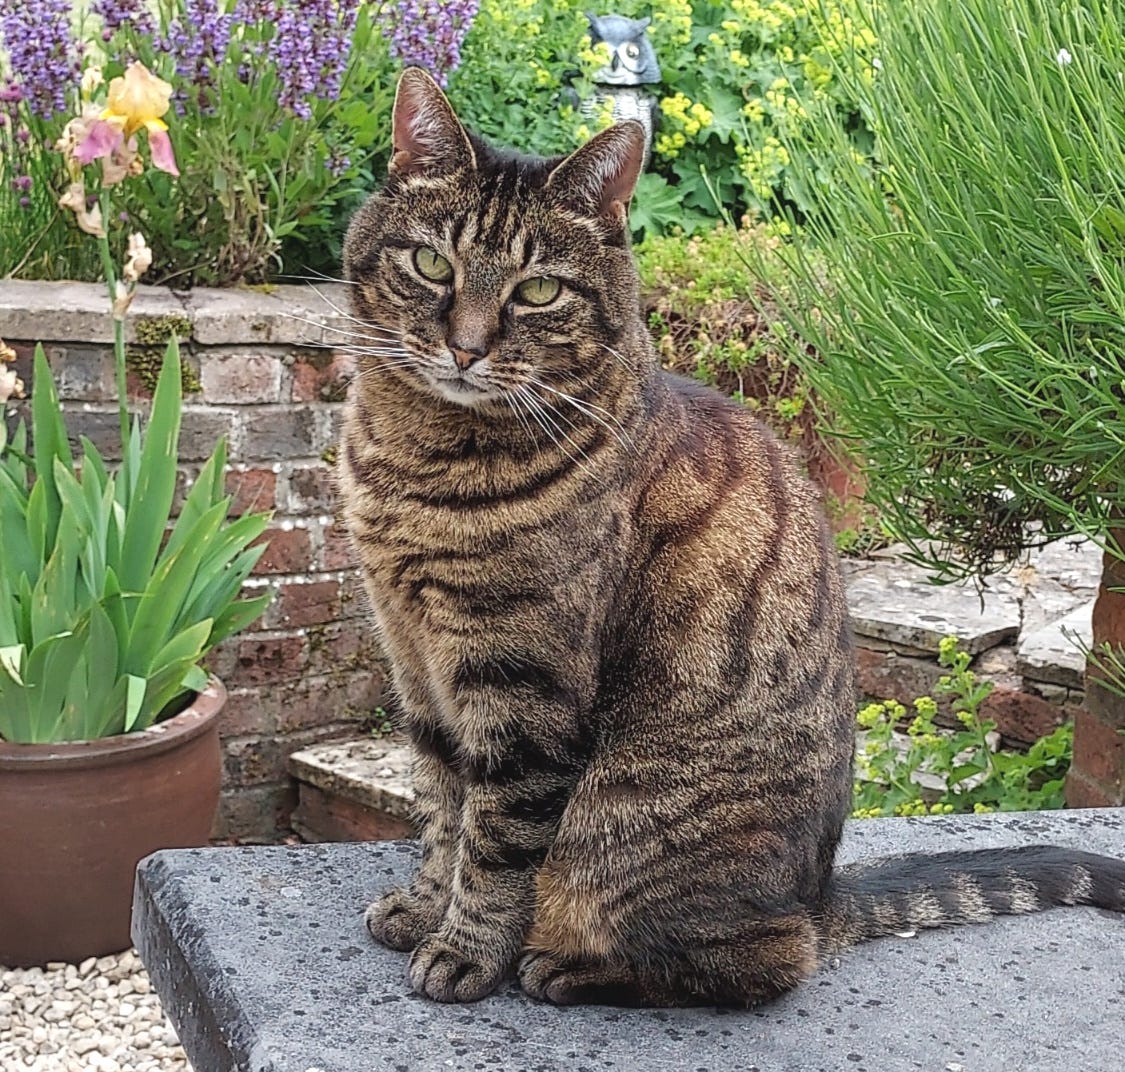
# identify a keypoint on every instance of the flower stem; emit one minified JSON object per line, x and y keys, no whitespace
{"x":110,"y":274}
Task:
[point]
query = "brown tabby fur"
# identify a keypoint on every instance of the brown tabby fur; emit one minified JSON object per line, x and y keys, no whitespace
{"x":616,"y":621}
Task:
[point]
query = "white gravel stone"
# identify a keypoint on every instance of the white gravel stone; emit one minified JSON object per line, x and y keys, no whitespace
{"x":97,"y":1016}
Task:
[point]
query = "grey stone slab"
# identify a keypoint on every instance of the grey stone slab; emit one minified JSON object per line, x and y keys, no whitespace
{"x":261,"y":959}
{"x":894,"y":601}
{"x":282,"y":315}
{"x":374,"y":773}
{"x":36,"y":311}
{"x":1050,"y":653}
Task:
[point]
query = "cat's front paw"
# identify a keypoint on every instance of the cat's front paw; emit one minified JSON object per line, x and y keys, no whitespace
{"x":441,"y":971}
{"x":400,"y":920}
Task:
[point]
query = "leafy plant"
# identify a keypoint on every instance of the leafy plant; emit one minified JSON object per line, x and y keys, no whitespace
{"x":966,"y":305}
{"x":283,"y":122}
{"x":104,"y":612}
{"x":975,"y":777}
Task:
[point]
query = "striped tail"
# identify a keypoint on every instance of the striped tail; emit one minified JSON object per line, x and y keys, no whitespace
{"x":900,"y":894}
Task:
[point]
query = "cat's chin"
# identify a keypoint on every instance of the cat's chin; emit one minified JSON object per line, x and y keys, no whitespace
{"x":461,"y":391}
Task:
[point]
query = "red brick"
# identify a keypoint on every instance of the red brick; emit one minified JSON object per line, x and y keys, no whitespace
{"x":886,"y":675}
{"x":258,"y":760}
{"x":309,"y":603}
{"x":252,"y":489}
{"x":1083,"y":793}
{"x":289,"y":551}
{"x":1021,"y":716}
{"x":321,"y":816}
{"x":248,"y":711}
{"x":265,"y":660}
{"x":312,"y":489}
{"x":240,"y":378}
{"x":1099,"y":753}
{"x":259,"y":814}
{"x":343,"y":646}
{"x":322,"y":376}
{"x":337,"y":551}
{"x":343,"y":697}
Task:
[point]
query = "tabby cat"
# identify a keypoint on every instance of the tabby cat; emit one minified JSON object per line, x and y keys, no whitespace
{"x":613,"y":612}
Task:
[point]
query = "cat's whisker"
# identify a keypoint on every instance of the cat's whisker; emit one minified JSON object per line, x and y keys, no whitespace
{"x":617,"y":355}
{"x":590,"y":410}
{"x":348,"y":315}
{"x":382,"y":339}
{"x":321,"y":276}
{"x":542,"y":409}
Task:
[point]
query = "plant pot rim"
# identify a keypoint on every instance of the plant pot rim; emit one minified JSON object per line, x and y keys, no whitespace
{"x":109,"y":751}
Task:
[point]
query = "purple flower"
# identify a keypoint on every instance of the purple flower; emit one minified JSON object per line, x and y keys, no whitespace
{"x":310,"y":49}
{"x":118,"y":13}
{"x":429,"y":33}
{"x":42,"y":53}
{"x":198,"y":42}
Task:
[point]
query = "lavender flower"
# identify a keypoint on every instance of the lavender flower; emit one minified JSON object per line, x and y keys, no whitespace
{"x":198,"y":42}
{"x":118,"y":13}
{"x":42,"y":53}
{"x":310,"y":49}
{"x":429,"y":33}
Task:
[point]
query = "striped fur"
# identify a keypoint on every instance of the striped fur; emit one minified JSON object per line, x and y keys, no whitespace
{"x":613,"y":612}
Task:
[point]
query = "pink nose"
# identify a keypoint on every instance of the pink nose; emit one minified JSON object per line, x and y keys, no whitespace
{"x":465,"y":358}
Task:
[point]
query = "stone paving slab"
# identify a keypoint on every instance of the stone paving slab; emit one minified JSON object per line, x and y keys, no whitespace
{"x":1050,"y":654}
{"x":895,"y":602}
{"x":374,"y":773}
{"x":260,"y":957}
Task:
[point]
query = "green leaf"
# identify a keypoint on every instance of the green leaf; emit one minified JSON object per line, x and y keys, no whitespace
{"x":11,"y":660}
{"x":151,"y":502}
{"x":135,"y":695}
{"x":196,"y":679}
{"x":49,"y":433}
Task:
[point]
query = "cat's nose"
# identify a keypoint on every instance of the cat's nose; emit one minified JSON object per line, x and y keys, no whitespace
{"x":466,"y":356}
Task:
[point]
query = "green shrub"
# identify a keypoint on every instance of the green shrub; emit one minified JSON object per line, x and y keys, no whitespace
{"x":733,"y":75}
{"x":967,"y":306}
{"x":976,"y":777}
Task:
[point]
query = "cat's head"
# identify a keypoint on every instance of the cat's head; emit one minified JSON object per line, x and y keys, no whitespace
{"x":495,"y":272}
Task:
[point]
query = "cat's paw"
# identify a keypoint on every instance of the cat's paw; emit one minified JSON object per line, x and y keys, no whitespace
{"x":561,"y":981}
{"x":441,"y":971}
{"x":400,"y":920}
{"x":544,"y":977}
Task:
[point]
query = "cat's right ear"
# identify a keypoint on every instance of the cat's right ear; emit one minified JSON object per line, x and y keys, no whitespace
{"x":427,"y":138}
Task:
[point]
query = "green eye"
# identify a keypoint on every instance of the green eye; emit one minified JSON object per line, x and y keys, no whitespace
{"x":539,"y":291}
{"x":432,"y":265}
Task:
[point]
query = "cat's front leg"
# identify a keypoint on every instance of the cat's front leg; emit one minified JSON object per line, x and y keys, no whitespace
{"x":402,"y":917}
{"x":515,"y":791}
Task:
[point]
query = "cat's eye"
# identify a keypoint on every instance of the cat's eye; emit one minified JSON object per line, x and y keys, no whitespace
{"x":432,"y":265}
{"x":542,"y":290}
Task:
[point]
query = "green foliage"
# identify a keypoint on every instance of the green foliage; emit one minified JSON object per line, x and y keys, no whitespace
{"x":261,"y":190}
{"x":967,"y":307}
{"x":976,"y":778}
{"x":734,"y":73}
{"x":697,"y":296}
{"x":105,"y":611}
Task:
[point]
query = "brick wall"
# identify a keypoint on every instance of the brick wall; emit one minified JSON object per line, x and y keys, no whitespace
{"x":267,"y":380}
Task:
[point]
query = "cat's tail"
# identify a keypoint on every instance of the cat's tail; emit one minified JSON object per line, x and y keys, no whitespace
{"x":901,"y":894}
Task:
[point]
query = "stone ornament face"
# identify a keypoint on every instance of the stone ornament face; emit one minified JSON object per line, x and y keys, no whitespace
{"x":632,"y":58}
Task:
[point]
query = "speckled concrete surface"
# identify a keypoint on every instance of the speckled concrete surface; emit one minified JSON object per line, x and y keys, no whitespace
{"x":263,"y":964}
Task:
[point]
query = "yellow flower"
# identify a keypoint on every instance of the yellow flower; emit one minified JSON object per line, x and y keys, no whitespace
{"x":138,"y":99}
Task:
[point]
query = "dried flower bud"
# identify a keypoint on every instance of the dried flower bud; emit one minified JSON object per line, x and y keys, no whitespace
{"x":89,"y":219}
{"x":138,"y":258}
{"x":92,"y":77}
{"x":11,"y":386}
{"x":122,"y":299}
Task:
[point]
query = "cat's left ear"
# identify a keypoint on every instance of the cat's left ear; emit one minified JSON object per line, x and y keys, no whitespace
{"x":600,"y":177}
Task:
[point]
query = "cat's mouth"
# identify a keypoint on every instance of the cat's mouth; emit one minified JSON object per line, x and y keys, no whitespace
{"x":459,"y":388}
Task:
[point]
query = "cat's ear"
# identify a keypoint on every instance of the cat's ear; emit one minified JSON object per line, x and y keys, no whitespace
{"x":600,"y":177}
{"x":427,"y":137}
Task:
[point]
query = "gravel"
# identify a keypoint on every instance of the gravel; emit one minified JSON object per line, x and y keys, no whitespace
{"x":97,"y":1016}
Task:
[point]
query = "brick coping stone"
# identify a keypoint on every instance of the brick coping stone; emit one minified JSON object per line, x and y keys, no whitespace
{"x":261,"y":960}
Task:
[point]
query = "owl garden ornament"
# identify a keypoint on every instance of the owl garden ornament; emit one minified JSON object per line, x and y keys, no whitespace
{"x":632,"y":66}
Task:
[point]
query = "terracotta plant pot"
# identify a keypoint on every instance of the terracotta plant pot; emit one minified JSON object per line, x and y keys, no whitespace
{"x":76,"y":817}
